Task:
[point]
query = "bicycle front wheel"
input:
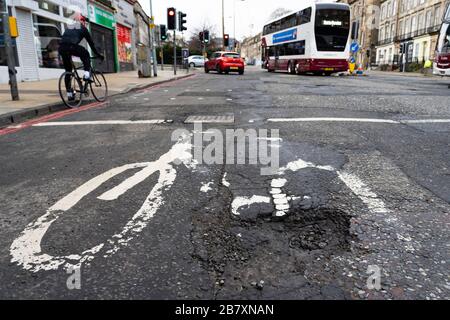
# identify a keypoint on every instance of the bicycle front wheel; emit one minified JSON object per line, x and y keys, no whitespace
{"x":99,"y":86}
{"x":70,"y":90}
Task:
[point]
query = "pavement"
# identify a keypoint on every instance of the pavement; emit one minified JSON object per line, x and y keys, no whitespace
{"x":41,"y":97}
{"x":106,"y":203}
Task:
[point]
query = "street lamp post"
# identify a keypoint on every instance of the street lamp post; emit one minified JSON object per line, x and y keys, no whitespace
{"x":152,"y":41}
{"x":234,"y":19}
{"x":223,"y":24}
{"x":10,"y":57}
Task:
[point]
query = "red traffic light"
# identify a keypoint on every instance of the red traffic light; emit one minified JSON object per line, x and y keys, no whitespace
{"x":226,"y":36}
{"x":171,"y":13}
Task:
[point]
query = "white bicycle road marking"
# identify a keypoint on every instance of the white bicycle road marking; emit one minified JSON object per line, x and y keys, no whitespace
{"x":26,"y":249}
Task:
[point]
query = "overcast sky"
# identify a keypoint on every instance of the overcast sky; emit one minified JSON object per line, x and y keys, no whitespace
{"x":250,"y":14}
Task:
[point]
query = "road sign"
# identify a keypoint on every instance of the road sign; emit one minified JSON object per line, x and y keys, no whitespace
{"x":352,"y":59}
{"x":185,"y":53}
{"x":354,"y":47}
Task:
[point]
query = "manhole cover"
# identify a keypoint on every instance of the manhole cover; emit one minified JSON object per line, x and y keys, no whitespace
{"x":210,"y":119}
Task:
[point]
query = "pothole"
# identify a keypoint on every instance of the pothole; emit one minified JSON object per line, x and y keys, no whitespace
{"x":291,"y":255}
{"x":325,"y":230}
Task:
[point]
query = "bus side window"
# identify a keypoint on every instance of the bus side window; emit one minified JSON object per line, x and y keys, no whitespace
{"x":304,"y":16}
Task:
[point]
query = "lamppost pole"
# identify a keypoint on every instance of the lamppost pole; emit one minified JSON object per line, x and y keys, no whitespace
{"x":223,"y":24}
{"x":152,"y":33}
{"x":10,"y":56}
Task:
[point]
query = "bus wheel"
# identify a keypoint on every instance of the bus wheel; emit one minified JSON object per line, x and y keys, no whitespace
{"x":290,"y":68}
{"x":297,"y":68}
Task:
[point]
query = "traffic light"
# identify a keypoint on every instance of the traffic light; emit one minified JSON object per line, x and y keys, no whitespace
{"x":171,"y":19}
{"x":163,"y":32}
{"x":226,"y":40}
{"x":181,"y":21}
{"x":206,"y":36}
{"x":201,"y":36}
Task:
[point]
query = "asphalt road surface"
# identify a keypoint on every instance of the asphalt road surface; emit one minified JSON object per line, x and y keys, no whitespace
{"x":104,"y":200}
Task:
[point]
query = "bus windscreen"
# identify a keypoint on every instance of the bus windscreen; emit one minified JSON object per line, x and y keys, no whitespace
{"x":332,"y":29}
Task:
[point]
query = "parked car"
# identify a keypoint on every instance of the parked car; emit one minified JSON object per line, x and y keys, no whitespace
{"x":224,"y":61}
{"x":196,"y":61}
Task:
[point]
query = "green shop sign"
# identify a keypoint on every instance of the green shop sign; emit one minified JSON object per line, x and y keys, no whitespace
{"x":101,"y":17}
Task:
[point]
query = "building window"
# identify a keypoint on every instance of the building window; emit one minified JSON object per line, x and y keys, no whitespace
{"x":47,"y":34}
{"x":421,"y":21}
{"x":437,"y":16}
{"x":67,"y":13}
{"x":416,"y":51}
{"x":407,"y":25}
{"x":414,"y":24}
{"x":428,"y":19}
{"x":48,"y":6}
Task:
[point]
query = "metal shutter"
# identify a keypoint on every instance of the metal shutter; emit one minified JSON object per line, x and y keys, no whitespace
{"x":26,"y":46}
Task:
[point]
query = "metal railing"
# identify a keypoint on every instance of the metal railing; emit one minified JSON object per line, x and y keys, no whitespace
{"x":410,"y":35}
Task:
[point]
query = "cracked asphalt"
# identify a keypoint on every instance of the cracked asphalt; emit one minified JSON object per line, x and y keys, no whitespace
{"x":360,"y":195}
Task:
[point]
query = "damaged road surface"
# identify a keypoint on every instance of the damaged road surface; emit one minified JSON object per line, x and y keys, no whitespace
{"x":111,"y":203}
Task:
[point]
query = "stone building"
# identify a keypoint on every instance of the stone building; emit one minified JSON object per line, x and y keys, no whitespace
{"x":364,"y":20}
{"x":411,"y":24}
{"x":250,"y":49}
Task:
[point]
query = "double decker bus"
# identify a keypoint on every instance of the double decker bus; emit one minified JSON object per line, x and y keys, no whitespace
{"x":441,"y":64}
{"x":314,"y":39}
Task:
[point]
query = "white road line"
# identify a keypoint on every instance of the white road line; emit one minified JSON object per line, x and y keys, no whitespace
{"x":366,"y":120}
{"x":427,"y":121}
{"x":100,"y":122}
{"x":332,"y":120}
{"x":366,"y":195}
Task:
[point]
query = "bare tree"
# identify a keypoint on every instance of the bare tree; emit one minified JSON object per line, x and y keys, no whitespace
{"x":194,"y":40}
{"x":278,"y":13}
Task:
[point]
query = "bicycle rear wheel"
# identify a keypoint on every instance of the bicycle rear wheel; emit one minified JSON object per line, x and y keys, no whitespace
{"x":76,"y":88}
{"x":99,"y":86}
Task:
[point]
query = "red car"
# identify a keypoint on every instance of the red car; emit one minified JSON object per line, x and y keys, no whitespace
{"x":223,"y":61}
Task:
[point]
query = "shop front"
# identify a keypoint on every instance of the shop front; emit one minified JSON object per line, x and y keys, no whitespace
{"x":102,"y":27}
{"x":41,"y":24}
{"x":125,"y":29}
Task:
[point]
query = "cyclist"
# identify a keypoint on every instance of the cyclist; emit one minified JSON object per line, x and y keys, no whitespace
{"x":69,"y":46}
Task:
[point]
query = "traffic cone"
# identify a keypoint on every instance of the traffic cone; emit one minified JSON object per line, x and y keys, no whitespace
{"x":360,"y":70}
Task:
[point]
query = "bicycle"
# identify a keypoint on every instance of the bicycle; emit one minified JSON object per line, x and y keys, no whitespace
{"x":82,"y":88}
